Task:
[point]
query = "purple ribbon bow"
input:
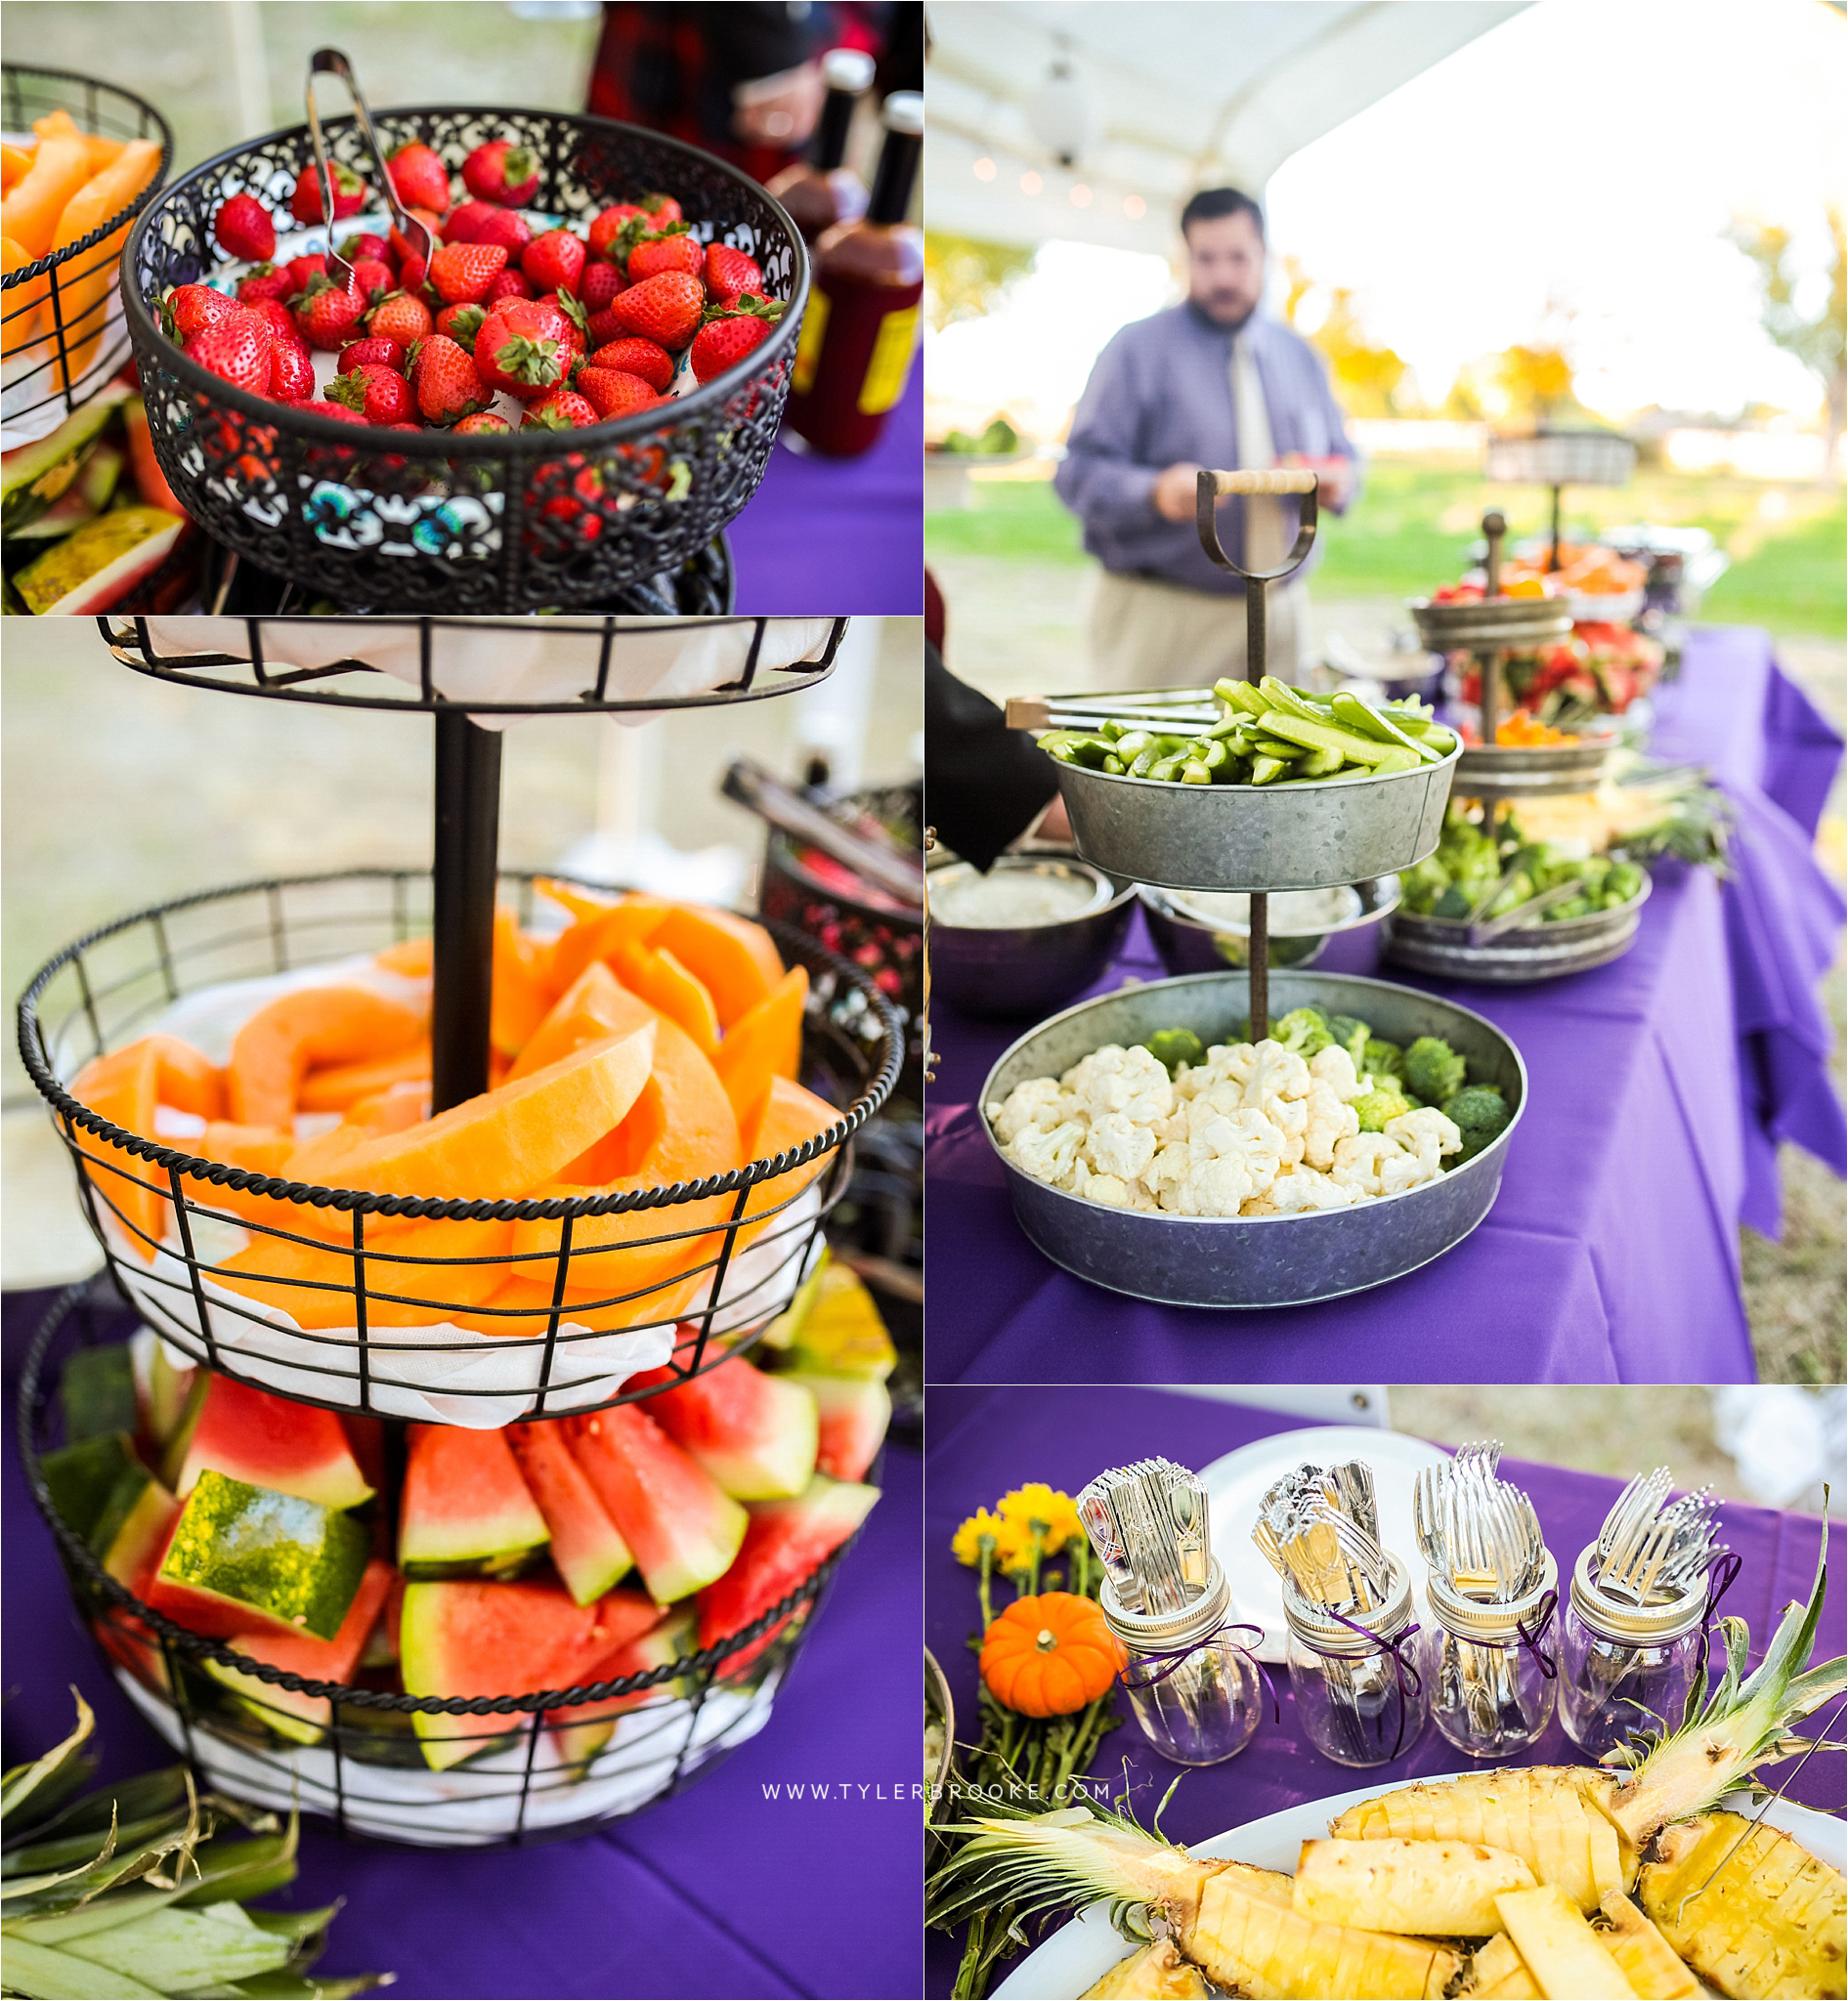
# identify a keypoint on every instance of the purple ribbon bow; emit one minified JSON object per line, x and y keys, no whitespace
{"x":1725,"y":1568}
{"x":1173,"y":1659}
{"x":1403,"y":1669}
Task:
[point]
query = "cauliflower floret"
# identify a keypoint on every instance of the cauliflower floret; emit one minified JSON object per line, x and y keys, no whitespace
{"x":1173,"y":1127}
{"x":1038,"y":1102}
{"x":1428,"y":1135}
{"x":1113,"y":1079}
{"x":1267,"y":1070}
{"x":1048,"y":1156}
{"x":1218,"y":1100}
{"x":1290,"y":1116}
{"x":1118,"y":1148}
{"x":1299,"y":1193}
{"x":1259,"y":1204}
{"x":1329,"y":1122}
{"x":1360,"y":1160}
{"x":1168,"y":1169}
{"x":1111,"y":1188}
{"x":1230,"y":1160}
{"x":1334,"y":1067}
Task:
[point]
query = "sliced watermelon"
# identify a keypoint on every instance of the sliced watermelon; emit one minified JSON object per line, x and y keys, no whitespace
{"x":755,"y":1433}
{"x":586,"y":1545}
{"x":468,"y":1636}
{"x":162,"y":1384}
{"x":81,"y":1477}
{"x":133,"y":1528}
{"x":787,"y":1541}
{"x":682,"y":1526}
{"x":579,"y":1732}
{"x":381,"y":1644}
{"x":289,"y":1710}
{"x":92,"y":569}
{"x":464,"y":1510}
{"x":855,"y":1410}
{"x":365,"y":1440}
{"x":267,"y":1441}
{"x":98,"y":1393}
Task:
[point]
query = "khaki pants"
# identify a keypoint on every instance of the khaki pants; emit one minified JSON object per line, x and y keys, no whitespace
{"x":1142,"y":634}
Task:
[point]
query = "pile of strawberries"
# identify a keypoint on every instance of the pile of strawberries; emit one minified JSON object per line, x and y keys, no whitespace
{"x":578,"y":332}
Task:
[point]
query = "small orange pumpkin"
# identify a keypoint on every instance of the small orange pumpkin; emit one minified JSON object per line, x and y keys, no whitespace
{"x":1049,"y":1656}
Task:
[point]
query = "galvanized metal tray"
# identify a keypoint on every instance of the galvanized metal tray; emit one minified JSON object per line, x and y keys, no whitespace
{"x":1017,"y":972}
{"x":1517,"y":959}
{"x":1318,"y":835}
{"x":1499,"y":624}
{"x":1187,"y":943}
{"x":1501,"y":771}
{"x":1238,"y":1261}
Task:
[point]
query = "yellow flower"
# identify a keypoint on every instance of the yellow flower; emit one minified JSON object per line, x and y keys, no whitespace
{"x":966,"y":1544}
{"x":1054,"y":1511}
{"x":1014,"y":1545}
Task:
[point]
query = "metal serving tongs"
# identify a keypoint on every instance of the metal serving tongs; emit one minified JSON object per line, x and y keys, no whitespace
{"x":1484,"y":930}
{"x":330,"y":62}
{"x":881,"y":863}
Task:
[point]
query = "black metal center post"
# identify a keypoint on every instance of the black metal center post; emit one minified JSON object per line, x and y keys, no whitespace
{"x":465,"y":871}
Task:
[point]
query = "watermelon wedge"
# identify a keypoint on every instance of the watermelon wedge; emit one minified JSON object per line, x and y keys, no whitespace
{"x":81,"y":1477}
{"x":579,"y":1732}
{"x":161,"y":1386}
{"x":134,"y":1526}
{"x":265,"y":1441}
{"x":471,"y":1637}
{"x":755,"y":1433}
{"x":786,"y":1541}
{"x":289,"y":1712}
{"x":98,"y":1393}
{"x":682,"y":1526}
{"x":464,"y":1510}
{"x":855,"y":1410}
{"x":586,"y":1545}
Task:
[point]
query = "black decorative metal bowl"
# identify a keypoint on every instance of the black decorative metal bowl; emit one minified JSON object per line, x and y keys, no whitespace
{"x":494,"y":522}
{"x":353,"y":1754}
{"x":510,"y":1309}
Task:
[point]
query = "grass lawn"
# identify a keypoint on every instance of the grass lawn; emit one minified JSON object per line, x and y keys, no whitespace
{"x":1412,"y":526}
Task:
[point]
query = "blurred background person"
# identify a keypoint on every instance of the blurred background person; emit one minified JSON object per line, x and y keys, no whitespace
{"x":1212,"y":383}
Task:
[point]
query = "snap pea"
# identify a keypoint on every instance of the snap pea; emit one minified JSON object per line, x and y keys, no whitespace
{"x":1373,"y":722}
{"x":1114,"y":765}
{"x":1194,"y":773}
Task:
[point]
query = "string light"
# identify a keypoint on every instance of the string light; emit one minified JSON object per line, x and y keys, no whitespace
{"x":1134,"y":207}
{"x":1030,"y":183}
{"x":1080,"y":195}
{"x":984,"y":169}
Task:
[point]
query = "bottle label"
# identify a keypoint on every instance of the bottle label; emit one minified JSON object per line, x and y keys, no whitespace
{"x":885,"y":372}
{"x":808,"y":341}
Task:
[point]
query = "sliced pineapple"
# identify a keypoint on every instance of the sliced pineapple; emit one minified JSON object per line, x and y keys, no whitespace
{"x":1445,"y":1887}
{"x":1564,"y":1957}
{"x":1650,"y":1963}
{"x":1498,"y":1973}
{"x":1264,"y":1949}
{"x":1157,"y":1972}
{"x":1770,"y":1921}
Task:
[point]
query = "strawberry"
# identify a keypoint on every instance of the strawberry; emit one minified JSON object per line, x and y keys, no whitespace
{"x":665,"y":309}
{"x":563,"y":410}
{"x":461,"y":324}
{"x":462,"y":224}
{"x":501,"y":170}
{"x":611,"y":392}
{"x":606,"y":226}
{"x":579,"y":505}
{"x":349,"y":194}
{"x":729,"y":272}
{"x":419,"y":177}
{"x":603,"y":327}
{"x":600,"y":284}
{"x":511,"y":284}
{"x":373,"y":275}
{"x":388,"y":354}
{"x":267,"y":282}
{"x":668,"y":249}
{"x":380,"y":395}
{"x":654,"y":365}
{"x":482,"y":420}
{"x":448,"y":383}
{"x":401,"y":317}
{"x":662,"y":207}
{"x":321,"y":408}
{"x":366,"y":243}
{"x":281,"y":321}
{"x":412,"y":275}
{"x":291,"y":369}
{"x":244,"y":230}
{"x":574,"y":323}
{"x":236,"y":348}
{"x":408,"y":245}
{"x":731,"y":333}
{"x":553,"y":260}
{"x":461,"y":272}
{"x":506,"y":227}
{"x":186,"y":309}
{"x":519,"y":349}
{"x":326,"y":312}
{"x":302,"y":269}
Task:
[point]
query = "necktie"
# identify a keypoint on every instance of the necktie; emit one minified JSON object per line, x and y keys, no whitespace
{"x":1268,"y":529}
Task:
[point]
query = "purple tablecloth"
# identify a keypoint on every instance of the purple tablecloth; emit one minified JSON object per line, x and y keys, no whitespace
{"x":982,"y":1443}
{"x":1612,"y":1253}
{"x":828,"y":537}
{"x":727,"y":1889}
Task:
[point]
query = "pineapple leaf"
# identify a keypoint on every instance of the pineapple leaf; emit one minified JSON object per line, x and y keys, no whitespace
{"x":24,"y":1783}
{"x":48,"y":1975}
{"x":142,"y":1803}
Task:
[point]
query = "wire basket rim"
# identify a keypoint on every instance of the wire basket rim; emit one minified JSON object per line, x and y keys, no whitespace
{"x":39,"y":267}
{"x":454,"y":1208}
{"x":200,"y":1647}
{"x":537,"y":447}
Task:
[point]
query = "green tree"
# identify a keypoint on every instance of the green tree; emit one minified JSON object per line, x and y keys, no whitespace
{"x":964,"y":278}
{"x":1370,"y":381}
{"x":1820,"y":341}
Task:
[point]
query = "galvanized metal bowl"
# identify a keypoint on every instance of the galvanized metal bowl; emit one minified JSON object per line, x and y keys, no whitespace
{"x":1017,"y":972}
{"x":1491,"y":624}
{"x":1277,"y":1260}
{"x":1501,"y":771}
{"x":939,"y":1708}
{"x":1190,"y":940}
{"x":1315,"y":835}
{"x":1517,"y":959}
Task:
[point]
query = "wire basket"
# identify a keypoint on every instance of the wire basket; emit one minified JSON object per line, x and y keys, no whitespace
{"x":1561,"y":458}
{"x":65,"y":336}
{"x":552,"y":1763}
{"x":498,"y":522}
{"x":490,"y":1311}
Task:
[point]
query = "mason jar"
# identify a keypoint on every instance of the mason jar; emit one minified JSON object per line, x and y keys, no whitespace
{"x":1624,"y":1667}
{"x":1359,"y":1695}
{"x":1193,"y":1690}
{"x":1489,"y":1668}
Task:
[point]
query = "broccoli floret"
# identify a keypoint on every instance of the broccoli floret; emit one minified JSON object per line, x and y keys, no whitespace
{"x":1380,"y":1059}
{"x":1380,"y":1104}
{"x":1624,"y":883}
{"x":1479,"y":1112}
{"x":1304,"y":1030}
{"x":1173,"y":1046}
{"x":1518,"y":890}
{"x":1453,"y":905}
{"x":1573,"y":906}
{"x":1434,"y":1071}
{"x":1350,"y":1032}
{"x":1422,"y":884}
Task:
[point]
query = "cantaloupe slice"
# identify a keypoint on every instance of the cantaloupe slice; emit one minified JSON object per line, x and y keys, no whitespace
{"x":314,"y":1286}
{"x":736,"y":961}
{"x":258,"y":1149}
{"x":660,"y":979}
{"x":523,"y":1307}
{"x":338,"y":1087}
{"x":184,"y":1079}
{"x":394,"y":1108}
{"x":282,"y":1042}
{"x":412,"y":957}
{"x":765,"y":1043}
{"x":592,"y":1008}
{"x":520,"y":998}
{"x":124,"y":1088}
{"x":632,"y":919}
{"x":790,"y":1115}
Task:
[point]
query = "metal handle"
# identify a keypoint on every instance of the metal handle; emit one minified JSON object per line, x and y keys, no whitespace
{"x":1291,"y":478}
{"x":1210,"y":487}
{"x":331,"y":62}
{"x":749,"y":784}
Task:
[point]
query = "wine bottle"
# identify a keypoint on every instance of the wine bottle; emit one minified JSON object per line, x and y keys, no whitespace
{"x":820,"y":190}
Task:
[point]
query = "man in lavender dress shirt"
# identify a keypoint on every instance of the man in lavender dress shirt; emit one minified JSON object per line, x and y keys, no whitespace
{"x":1206,"y":383}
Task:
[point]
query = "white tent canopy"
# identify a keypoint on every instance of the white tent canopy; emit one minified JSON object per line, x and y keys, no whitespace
{"x":1164,"y":97}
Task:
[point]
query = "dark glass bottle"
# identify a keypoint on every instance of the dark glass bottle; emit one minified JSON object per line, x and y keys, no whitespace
{"x":820,"y":190}
{"x":860,"y":325}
